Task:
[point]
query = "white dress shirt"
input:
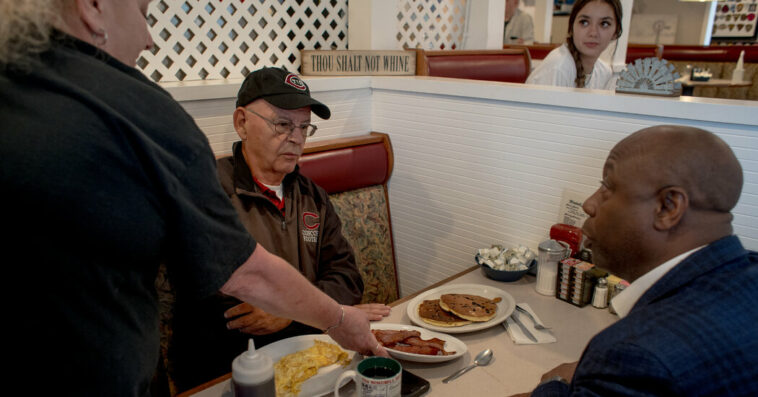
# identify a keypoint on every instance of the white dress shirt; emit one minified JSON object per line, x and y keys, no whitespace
{"x":625,"y":301}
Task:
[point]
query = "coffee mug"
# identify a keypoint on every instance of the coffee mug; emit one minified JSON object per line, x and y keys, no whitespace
{"x":375,"y":377}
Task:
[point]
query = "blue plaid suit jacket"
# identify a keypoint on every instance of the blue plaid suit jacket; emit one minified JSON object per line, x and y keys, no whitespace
{"x":693,"y":333}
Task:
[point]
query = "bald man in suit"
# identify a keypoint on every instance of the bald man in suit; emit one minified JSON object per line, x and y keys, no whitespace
{"x":662,"y":220}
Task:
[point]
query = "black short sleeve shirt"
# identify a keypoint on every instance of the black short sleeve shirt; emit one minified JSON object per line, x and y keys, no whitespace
{"x":104,"y":176}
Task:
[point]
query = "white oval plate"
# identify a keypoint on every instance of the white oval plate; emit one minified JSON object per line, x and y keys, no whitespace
{"x":323,"y":382}
{"x":504,"y":307}
{"x":451,"y":344}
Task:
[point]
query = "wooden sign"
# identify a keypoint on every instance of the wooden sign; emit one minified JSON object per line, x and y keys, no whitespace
{"x":357,"y":63}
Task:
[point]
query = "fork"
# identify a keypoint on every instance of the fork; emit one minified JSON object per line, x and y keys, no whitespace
{"x":536,"y":324}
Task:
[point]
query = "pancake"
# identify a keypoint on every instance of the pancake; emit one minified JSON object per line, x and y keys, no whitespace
{"x":431,"y":312}
{"x":470,"y":307}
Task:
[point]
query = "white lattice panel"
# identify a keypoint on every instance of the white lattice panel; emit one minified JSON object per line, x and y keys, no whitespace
{"x":204,"y":39}
{"x":431,"y":24}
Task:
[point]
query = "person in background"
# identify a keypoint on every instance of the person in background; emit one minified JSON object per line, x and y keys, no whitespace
{"x":286,"y":212}
{"x":593,"y":24}
{"x":518,"y":27}
{"x":662,"y":220}
{"x":104,"y":177}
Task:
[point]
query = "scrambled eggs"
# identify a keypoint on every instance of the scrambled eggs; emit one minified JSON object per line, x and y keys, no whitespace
{"x":293,"y":369}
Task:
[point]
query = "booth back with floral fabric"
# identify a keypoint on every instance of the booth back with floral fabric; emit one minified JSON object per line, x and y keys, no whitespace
{"x":355,"y":171}
{"x":365,"y":224}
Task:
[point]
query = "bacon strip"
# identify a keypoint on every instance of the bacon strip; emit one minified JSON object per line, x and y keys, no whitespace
{"x":428,"y":350}
{"x":411,"y":342}
{"x":386,"y":337}
{"x":436,"y":343}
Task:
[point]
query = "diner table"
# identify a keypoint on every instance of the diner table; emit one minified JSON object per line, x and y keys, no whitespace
{"x":515,"y":368}
{"x":688,"y":85}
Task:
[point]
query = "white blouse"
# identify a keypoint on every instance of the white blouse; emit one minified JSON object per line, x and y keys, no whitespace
{"x":558,"y":69}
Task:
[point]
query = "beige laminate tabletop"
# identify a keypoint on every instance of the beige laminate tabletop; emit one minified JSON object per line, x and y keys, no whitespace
{"x":715,"y":83}
{"x":515,"y":368}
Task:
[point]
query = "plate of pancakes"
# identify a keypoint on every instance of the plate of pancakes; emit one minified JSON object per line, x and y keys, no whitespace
{"x":460,"y":308}
{"x":451,"y":348}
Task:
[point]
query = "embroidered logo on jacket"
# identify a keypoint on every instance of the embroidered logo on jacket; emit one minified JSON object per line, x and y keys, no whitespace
{"x":311,"y":222}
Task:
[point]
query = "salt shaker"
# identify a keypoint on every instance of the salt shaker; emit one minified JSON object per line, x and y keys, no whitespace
{"x":600,"y":297}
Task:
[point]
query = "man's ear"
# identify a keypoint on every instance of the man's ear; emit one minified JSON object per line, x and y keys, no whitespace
{"x":239,"y":123}
{"x":673,"y":203}
{"x":91,"y":14}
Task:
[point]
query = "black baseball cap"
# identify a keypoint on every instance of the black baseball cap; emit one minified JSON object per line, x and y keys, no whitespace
{"x":280,"y":88}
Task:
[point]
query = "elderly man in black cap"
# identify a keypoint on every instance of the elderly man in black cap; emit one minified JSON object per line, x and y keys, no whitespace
{"x":285,"y":212}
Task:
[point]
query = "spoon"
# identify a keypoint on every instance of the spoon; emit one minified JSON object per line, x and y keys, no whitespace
{"x":483,"y":358}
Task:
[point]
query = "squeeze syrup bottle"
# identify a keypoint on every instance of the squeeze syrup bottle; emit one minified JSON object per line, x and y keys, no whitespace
{"x":253,"y":374}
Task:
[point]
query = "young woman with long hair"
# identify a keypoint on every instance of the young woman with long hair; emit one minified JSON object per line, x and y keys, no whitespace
{"x":593,"y":24}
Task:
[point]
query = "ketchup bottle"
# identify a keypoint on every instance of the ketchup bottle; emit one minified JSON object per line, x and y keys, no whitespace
{"x":572,"y":235}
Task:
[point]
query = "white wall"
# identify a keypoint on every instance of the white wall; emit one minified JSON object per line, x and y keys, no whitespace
{"x":490,"y":168}
{"x":368,"y":22}
{"x":542,"y":16}
{"x":691,"y":17}
{"x":484,"y":25}
{"x":478,"y":163}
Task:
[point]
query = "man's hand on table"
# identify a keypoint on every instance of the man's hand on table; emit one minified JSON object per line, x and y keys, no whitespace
{"x":254,"y":321}
{"x":374,"y":311}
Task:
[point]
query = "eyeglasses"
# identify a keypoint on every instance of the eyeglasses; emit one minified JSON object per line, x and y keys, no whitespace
{"x":287,"y":127}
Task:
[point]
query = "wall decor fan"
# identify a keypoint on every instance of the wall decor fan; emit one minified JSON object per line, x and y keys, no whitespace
{"x":650,"y":76}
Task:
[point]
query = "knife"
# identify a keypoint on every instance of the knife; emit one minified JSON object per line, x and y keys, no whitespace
{"x":521,"y":325}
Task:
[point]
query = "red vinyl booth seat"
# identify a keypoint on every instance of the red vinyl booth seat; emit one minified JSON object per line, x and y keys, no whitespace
{"x":536,"y":51}
{"x":347,"y":168}
{"x":355,"y":171}
{"x":633,"y":51}
{"x":711,"y":53}
{"x":511,"y":65}
{"x":641,"y":51}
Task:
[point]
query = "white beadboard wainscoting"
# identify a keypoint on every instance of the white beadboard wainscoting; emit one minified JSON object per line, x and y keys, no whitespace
{"x":480,"y":163}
